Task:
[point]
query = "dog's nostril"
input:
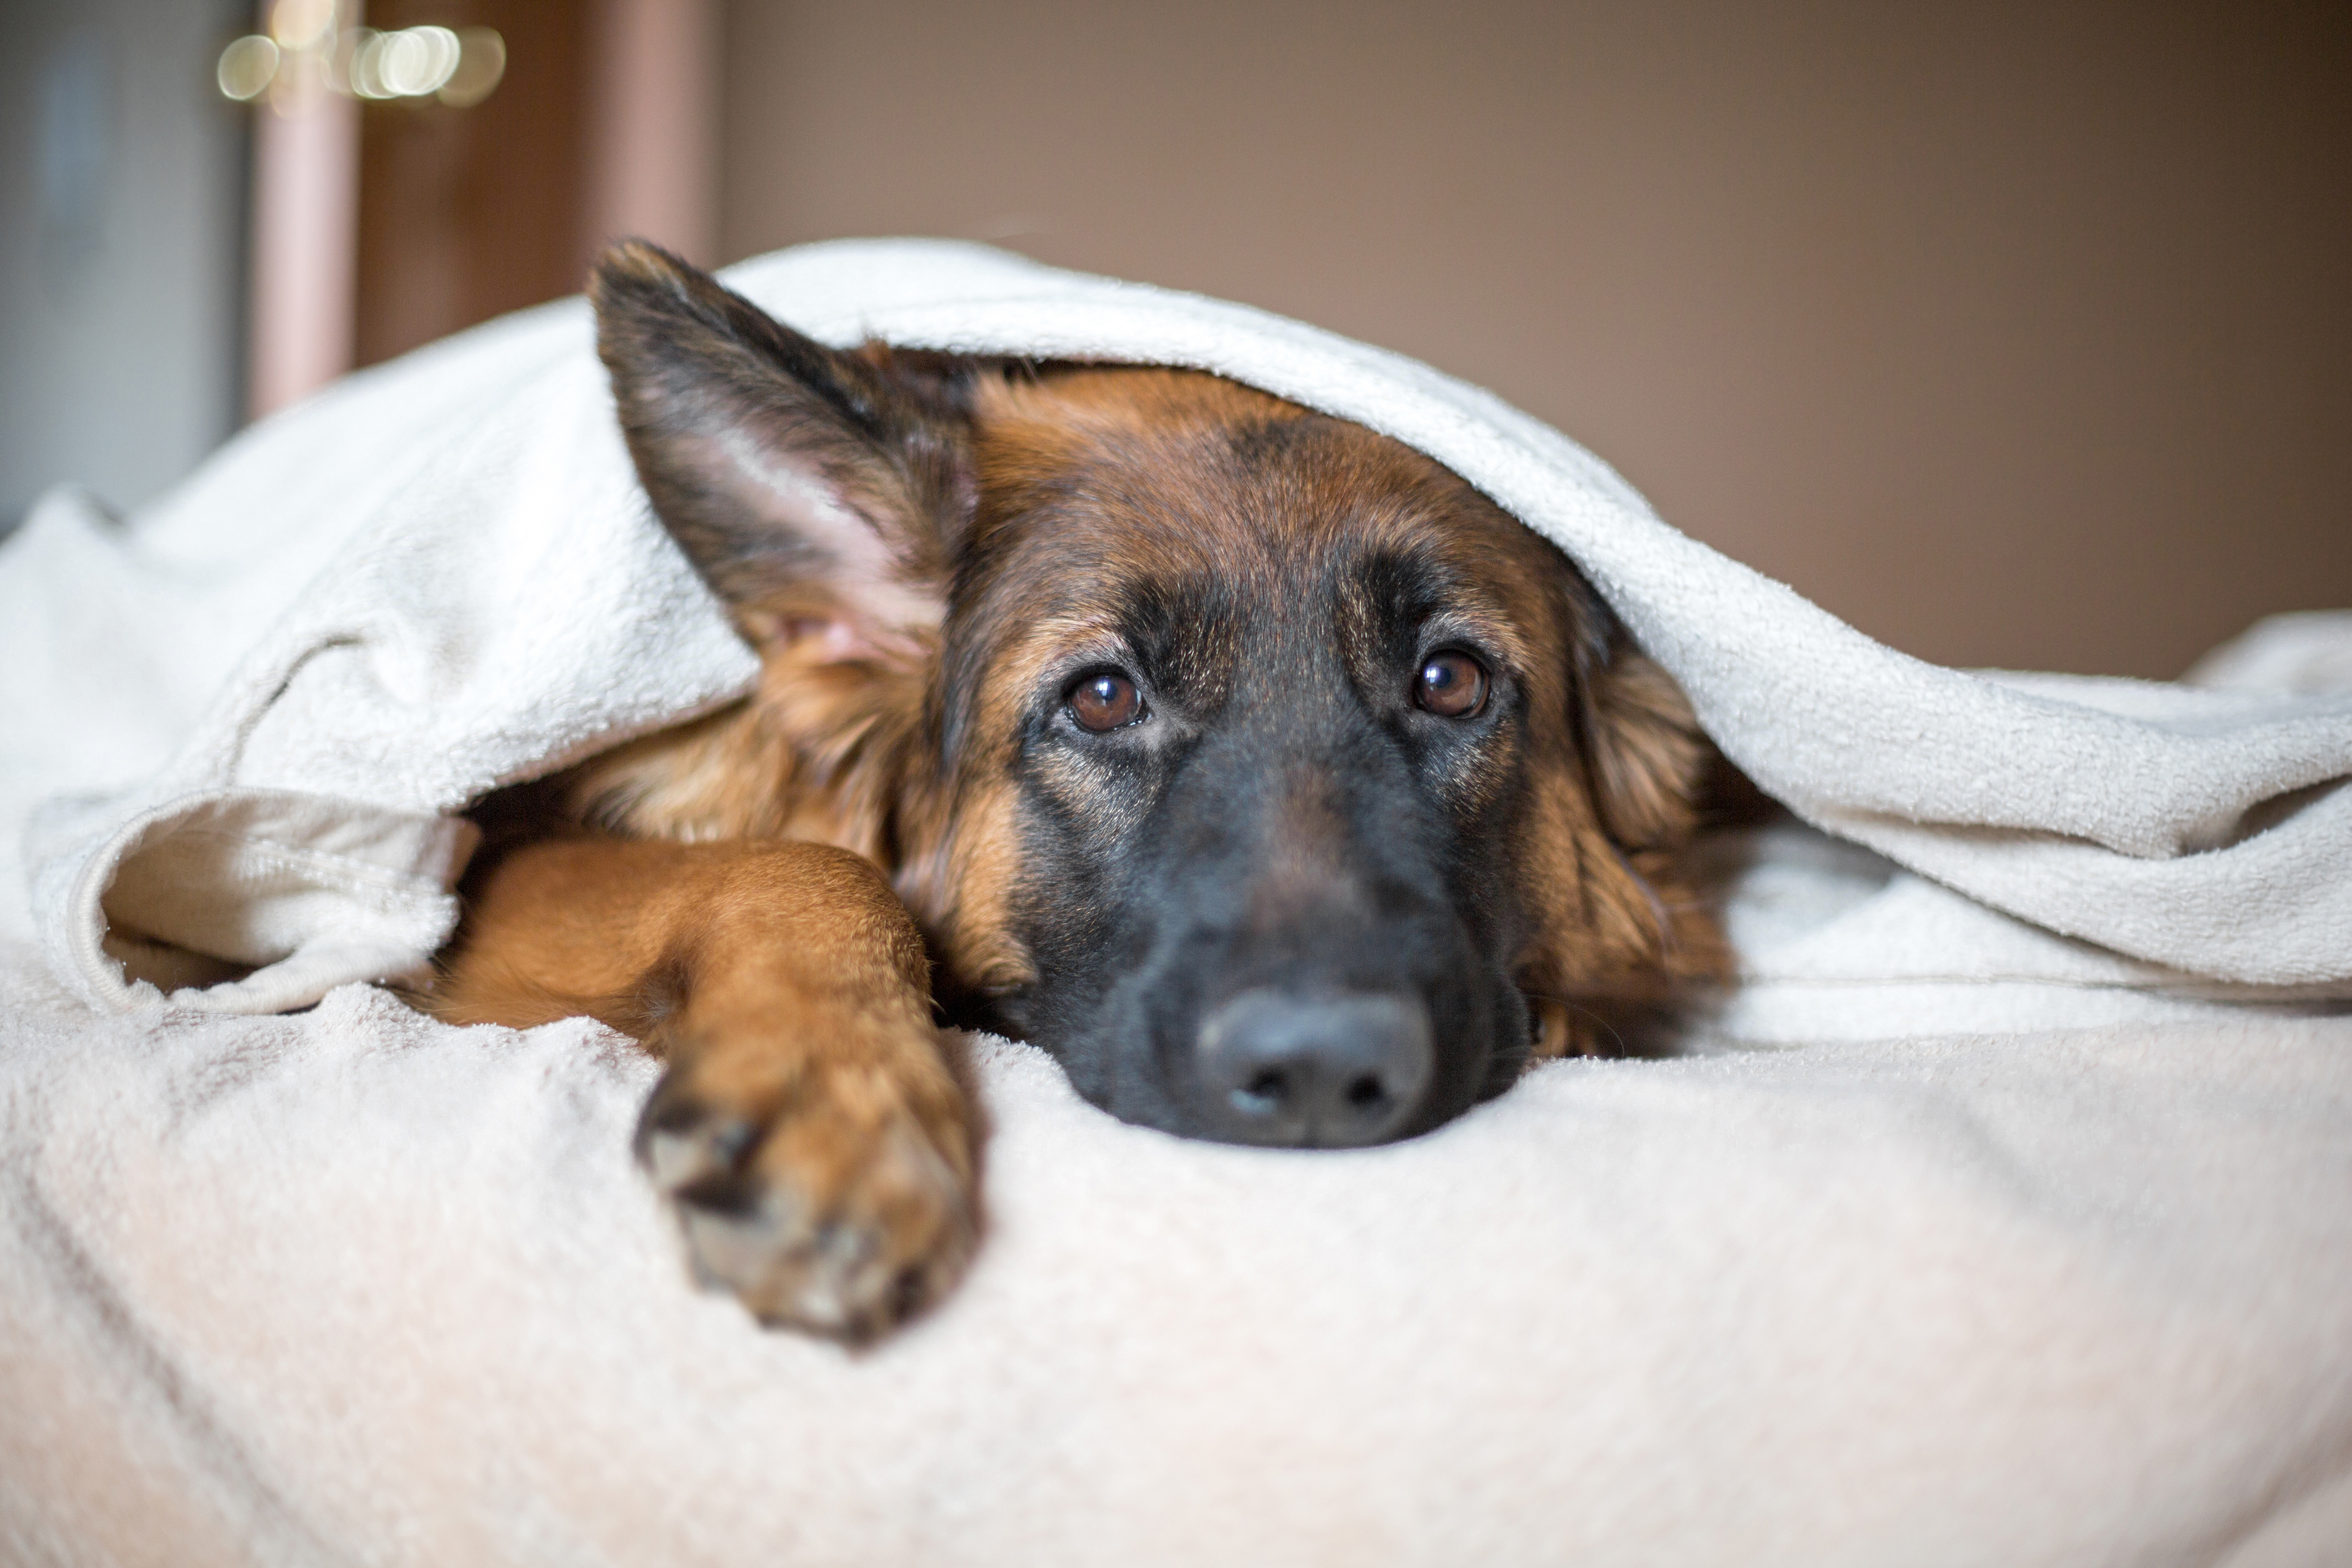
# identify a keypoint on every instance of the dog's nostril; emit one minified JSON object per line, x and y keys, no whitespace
{"x":1262,"y":1094}
{"x":1331,"y":1070}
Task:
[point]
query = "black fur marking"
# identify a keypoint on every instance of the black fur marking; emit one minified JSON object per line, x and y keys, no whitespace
{"x":1310,"y":832}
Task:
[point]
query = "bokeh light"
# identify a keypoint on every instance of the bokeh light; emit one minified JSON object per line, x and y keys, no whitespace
{"x":459,"y":67}
{"x":247,"y":67}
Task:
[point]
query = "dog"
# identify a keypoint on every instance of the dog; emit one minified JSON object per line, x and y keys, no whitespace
{"x":1253,"y":764}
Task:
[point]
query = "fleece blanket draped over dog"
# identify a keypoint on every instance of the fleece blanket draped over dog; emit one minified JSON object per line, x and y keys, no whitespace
{"x":2040,"y":1252}
{"x":440,"y":577}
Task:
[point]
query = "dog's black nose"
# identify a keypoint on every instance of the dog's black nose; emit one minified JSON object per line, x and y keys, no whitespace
{"x":1315,"y":1071}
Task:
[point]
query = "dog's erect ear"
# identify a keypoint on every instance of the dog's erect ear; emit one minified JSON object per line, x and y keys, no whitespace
{"x":815,"y":489}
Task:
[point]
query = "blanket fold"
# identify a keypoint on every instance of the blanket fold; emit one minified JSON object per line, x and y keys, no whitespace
{"x":442,"y":577}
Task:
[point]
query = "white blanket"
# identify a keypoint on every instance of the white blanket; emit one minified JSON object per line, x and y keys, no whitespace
{"x":350,"y":1285}
{"x":441,"y":577}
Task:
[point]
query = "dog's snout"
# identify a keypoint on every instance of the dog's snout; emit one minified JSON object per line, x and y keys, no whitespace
{"x":1316,"y":1071}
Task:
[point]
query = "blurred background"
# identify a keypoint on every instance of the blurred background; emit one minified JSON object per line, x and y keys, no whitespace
{"x":2014,"y":334}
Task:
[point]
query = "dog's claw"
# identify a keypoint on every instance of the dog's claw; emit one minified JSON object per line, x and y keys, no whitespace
{"x":816,"y":1217}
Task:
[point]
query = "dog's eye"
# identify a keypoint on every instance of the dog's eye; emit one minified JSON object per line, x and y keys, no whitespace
{"x":1451,"y":685}
{"x":1105,"y":701}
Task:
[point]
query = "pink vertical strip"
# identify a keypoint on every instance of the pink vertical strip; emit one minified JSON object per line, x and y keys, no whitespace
{"x":653,"y":164}
{"x":306,"y":191}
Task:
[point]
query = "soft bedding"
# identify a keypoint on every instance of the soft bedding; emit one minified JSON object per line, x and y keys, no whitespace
{"x":2003,"y":1212}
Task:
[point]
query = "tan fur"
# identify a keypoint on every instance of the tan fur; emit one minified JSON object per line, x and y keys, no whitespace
{"x":700,"y":951}
{"x":732,"y":915}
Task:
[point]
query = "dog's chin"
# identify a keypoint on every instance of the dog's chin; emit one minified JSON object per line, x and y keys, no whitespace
{"x":1104,"y":1064}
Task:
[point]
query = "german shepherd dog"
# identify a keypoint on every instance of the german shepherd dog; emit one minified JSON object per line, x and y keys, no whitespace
{"x":1267,"y":775}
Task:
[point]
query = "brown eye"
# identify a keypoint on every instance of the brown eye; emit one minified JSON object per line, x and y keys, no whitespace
{"x":1450,"y":685}
{"x":1104,"y":702}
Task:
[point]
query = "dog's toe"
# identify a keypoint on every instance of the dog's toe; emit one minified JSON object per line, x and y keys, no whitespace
{"x":839,"y":1212}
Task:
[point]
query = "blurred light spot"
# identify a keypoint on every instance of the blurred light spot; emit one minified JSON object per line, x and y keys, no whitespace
{"x":421,"y":62}
{"x":416,"y":62}
{"x":365,"y":79}
{"x":245,"y":67}
{"x":460,"y":68}
{"x":481,"y":62}
{"x":301,"y":24}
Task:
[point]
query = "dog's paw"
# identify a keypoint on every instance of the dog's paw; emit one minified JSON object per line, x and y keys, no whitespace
{"x":839,"y":1200}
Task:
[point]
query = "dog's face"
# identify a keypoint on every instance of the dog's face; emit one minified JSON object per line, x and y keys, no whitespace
{"x":1264,"y":704}
{"x":1248,"y":761}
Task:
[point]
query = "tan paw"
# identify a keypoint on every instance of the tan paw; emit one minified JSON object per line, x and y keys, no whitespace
{"x":838,"y":1201}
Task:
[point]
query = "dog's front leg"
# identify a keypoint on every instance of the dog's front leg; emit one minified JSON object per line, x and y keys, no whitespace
{"x":817,"y":1147}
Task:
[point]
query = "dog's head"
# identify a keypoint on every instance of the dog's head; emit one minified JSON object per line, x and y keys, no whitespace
{"x":1252,"y":763}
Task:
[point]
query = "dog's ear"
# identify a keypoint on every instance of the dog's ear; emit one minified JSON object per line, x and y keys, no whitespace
{"x":1643,"y":752}
{"x":815,"y":489}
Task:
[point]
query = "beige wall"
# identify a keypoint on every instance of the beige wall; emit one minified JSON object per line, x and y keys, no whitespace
{"x":2015,"y":335}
